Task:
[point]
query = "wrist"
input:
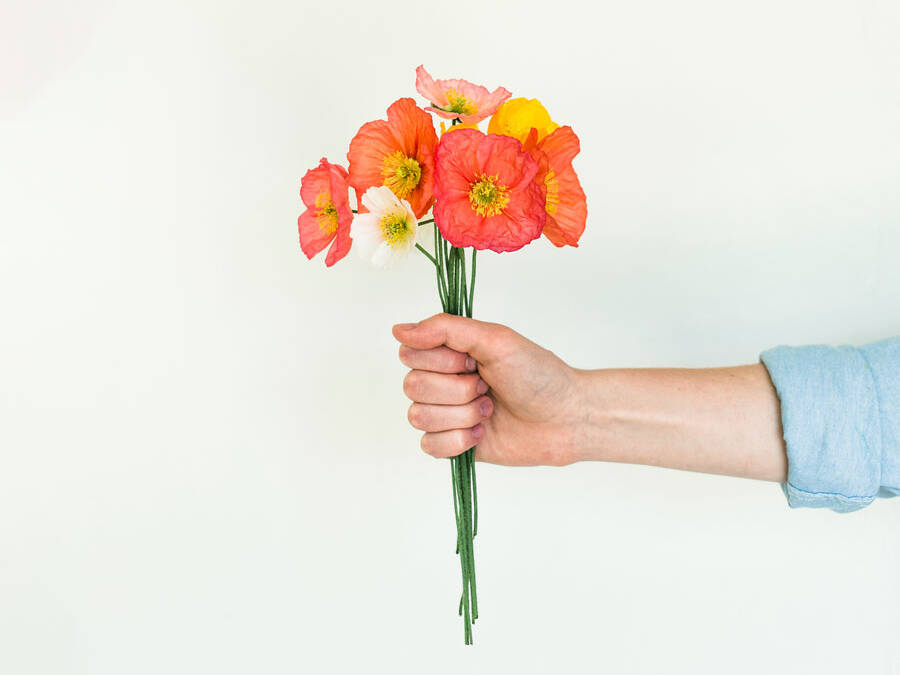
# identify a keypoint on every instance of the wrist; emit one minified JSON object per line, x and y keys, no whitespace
{"x":597,"y":411}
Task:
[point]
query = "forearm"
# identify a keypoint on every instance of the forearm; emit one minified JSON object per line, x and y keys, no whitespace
{"x":715,"y":420}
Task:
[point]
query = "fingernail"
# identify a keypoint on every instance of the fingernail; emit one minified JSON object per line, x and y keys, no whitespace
{"x":406,"y":326}
{"x":485,"y":408}
{"x":470,"y":363}
{"x":481,"y":387}
{"x":477,"y":431}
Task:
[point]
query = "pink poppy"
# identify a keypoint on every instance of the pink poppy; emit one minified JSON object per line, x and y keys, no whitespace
{"x":453,"y":99}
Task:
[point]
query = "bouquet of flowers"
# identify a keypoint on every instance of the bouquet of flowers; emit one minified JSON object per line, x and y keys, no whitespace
{"x":442,"y":195}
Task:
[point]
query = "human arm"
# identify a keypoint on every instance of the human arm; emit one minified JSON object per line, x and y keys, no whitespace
{"x":822,"y":421}
{"x":539,"y":410}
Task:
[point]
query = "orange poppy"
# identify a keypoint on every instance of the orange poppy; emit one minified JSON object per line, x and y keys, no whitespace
{"x":398,"y":153}
{"x":566,"y":204}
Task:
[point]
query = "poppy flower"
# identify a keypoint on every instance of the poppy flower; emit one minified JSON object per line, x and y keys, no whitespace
{"x":324,"y":191}
{"x":389,"y":229}
{"x":453,"y":99}
{"x":398,"y":153}
{"x":487,"y":195}
{"x":566,"y":204}
{"x":518,"y":116}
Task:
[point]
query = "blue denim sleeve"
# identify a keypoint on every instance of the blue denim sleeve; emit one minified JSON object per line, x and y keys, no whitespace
{"x":840,"y":412}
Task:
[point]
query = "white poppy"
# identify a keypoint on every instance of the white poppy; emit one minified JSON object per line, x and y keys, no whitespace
{"x":390,"y":229}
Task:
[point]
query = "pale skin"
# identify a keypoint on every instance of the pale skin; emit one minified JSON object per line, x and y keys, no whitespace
{"x":474,"y":383}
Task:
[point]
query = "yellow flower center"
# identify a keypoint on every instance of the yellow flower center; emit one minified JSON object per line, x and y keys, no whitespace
{"x":552,"y":192}
{"x":401,"y":173}
{"x":459,"y":103}
{"x":395,"y":228}
{"x":326,"y":213}
{"x":487,"y":196}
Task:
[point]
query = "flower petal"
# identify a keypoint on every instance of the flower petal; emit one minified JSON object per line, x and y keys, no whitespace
{"x":312,"y":238}
{"x":314,"y":182}
{"x":566,"y":225}
{"x":561,"y":146}
{"x":384,"y":256}
{"x":380,"y":199}
{"x":428,"y":88}
{"x":340,"y":248}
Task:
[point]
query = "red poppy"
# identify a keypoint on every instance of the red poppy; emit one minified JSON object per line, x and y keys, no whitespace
{"x":487,"y":195}
{"x":324,"y":191}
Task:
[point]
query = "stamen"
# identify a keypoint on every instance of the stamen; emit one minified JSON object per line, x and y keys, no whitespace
{"x":487,"y":196}
{"x":552,"y":192}
{"x":396,"y":228}
{"x":326,"y":213}
{"x":459,"y":103}
{"x":401,"y":173}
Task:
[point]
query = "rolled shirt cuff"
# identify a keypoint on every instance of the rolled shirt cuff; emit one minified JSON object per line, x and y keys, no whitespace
{"x":832,"y":424}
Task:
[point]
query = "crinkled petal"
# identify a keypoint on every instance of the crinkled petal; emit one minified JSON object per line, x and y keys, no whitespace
{"x":312,"y":238}
{"x":428,"y":88}
{"x":566,"y":225}
{"x":314,"y":182}
{"x":487,"y":106}
{"x":560,"y":146}
{"x":372,"y":143}
{"x":340,"y":248}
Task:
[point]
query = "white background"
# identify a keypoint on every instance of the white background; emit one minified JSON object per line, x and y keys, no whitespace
{"x":205,"y":465}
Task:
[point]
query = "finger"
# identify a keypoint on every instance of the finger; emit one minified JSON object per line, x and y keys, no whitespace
{"x":424,"y":386}
{"x":438,"y":360}
{"x":453,"y":442}
{"x":443,"y":417}
{"x":479,"y":339}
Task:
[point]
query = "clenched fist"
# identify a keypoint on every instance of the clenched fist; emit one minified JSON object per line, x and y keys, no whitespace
{"x":481,"y":384}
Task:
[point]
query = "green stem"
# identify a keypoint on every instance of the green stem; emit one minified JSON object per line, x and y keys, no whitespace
{"x":439,"y":269}
{"x":427,"y":254}
{"x":472,"y":284}
{"x":464,"y":303}
{"x":474,"y":494}
{"x":455,"y":505}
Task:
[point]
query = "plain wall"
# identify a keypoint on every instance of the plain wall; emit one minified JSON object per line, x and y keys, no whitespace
{"x":205,"y":463}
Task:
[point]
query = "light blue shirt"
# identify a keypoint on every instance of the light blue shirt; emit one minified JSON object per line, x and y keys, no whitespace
{"x":840,"y":410}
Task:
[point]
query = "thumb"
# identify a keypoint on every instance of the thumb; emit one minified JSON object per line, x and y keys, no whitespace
{"x":477,"y":338}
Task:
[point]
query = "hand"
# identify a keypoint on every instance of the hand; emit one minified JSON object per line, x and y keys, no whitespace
{"x":482,"y":384}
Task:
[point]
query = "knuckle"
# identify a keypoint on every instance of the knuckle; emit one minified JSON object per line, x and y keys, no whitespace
{"x":416,"y":416}
{"x":449,"y":360}
{"x":411,"y":384}
{"x":427,"y":445}
{"x":472,"y":387}
{"x":404,"y":353}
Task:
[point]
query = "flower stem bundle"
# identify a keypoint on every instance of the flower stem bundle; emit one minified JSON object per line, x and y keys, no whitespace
{"x":456,"y":298}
